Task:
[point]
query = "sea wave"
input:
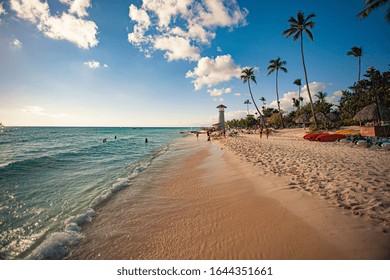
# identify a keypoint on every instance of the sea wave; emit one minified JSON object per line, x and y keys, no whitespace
{"x":57,"y":245}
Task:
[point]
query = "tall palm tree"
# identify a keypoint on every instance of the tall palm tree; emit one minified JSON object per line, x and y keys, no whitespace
{"x":357,"y":52}
{"x":247,"y":75}
{"x":321,"y":96}
{"x":298,"y":82}
{"x":297,"y":27}
{"x":373,"y":5}
{"x":247,"y":102}
{"x":276,"y":65}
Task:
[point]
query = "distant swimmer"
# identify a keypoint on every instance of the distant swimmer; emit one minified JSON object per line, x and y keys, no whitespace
{"x":146,"y":140}
{"x":104,"y":140}
{"x":115,"y":137}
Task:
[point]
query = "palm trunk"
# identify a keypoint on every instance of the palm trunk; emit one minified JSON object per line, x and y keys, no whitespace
{"x":277,"y":99}
{"x":307,"y":83}
{"x":299,"y":96}
{"x":359,"y":70}
{"x":254,"y":103}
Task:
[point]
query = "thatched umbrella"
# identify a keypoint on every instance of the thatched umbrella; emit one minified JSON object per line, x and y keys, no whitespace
{"x":320,"y":117}
{"x":305,"y":118}
{"x":333,"y":117}
{"x":370,"y":113}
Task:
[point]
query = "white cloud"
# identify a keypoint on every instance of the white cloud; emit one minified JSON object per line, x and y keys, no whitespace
{"x":157,"y":20}
{"x":16,"y":43}
{"x":78,"y":7}
{"x":93,"y":64}
{"x":237,"y":94}
{"x":210,"y":72}
{"x":39,"y":111}
{"x":177,"y":48}
{"x":2,"y":10}
{"x":220,"y":99}
{"x":219,"y":92}
{"x":286,"y":103}
{"x":66,"y":26}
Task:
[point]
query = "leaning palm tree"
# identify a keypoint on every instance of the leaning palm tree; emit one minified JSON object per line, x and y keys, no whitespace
{"x":297,"y":27}
{"x":299,"y":84}
{"x":247,"y":102}
{"x":276,"y":65}
{"x":357,"y":52}
{"x":373,"y":5}
{"x":246,"y":76}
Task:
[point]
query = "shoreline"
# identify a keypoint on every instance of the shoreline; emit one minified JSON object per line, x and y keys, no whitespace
{"x":209,"y":204}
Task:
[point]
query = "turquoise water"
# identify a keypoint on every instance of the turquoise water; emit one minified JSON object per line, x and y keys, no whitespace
{"x":52,"y":179}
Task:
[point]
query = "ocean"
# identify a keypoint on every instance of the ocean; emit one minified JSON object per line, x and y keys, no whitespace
{"x":53,"y":178}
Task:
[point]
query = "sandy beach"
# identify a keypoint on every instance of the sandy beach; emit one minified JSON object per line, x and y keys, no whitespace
{"x":246,"y":198}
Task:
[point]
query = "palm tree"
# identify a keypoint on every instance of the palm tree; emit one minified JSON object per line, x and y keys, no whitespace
{"x":276,"y":65}
{"x":297,"y":27}
{"x":299,"y":84}
{"x":373,"y":5}
{"x":296,"y":103}
{"x":356,"y":52}
{"x":321,"y":96}
{"x":247,"y":102}
{"x":246,"y":76}
{"x":262,"y":99}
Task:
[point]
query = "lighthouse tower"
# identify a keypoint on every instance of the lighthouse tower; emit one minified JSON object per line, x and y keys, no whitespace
{"x":221,"y":116}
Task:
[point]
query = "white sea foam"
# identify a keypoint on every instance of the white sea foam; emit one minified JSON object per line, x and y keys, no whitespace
{"x":2,"y":165}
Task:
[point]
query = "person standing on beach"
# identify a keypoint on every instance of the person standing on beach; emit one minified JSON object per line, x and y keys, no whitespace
{"x":261,"y":132}
{"x":208,"y":135}
{"x":197,"y":135}
{"x":267,"y":132}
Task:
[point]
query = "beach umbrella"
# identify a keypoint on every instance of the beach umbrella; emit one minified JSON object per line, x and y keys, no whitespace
{"x":333,"y":117}
{"x":305,"y":118}
{"x":320,"y":117}
{"x":370,"y":113}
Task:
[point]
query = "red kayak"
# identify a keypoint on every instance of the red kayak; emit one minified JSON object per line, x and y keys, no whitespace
{"x":312,"y":136}
{"x":329,"y":137}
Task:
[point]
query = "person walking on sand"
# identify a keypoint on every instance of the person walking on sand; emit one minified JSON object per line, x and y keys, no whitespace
{"x":197,"y":135}
{"x":261,"y":132}
{"x":208,"y":135}
{"x":267,"y":132}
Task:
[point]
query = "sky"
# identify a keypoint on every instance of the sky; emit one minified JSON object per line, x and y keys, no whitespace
{"x":171,"y":62}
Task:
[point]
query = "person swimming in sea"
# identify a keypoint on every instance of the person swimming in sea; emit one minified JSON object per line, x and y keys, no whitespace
{"x":146,"y":140}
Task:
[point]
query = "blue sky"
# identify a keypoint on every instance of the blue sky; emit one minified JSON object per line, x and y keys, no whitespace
{"x":170,"y":63}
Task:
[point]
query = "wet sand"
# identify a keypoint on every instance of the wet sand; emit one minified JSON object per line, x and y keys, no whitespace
{"x":210,"y":204}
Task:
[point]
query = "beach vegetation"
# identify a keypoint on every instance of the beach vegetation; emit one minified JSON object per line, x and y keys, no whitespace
{"x":298,"y":26}
{"x":374,"y":88}
{"x":274,"y":66}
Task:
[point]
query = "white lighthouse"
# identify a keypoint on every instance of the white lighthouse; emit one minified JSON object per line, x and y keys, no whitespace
{"x":221,"y":117}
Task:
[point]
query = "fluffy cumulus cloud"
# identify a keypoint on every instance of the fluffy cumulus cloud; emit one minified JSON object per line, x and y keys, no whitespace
{"x":177,"y":48}
{"x":93,"y":64}
{"x":219,"y":92}
{"x":286,"y":103}
{"x":156,"y":23}
{"x":69,"y":26}
{"x":210,"y":72}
